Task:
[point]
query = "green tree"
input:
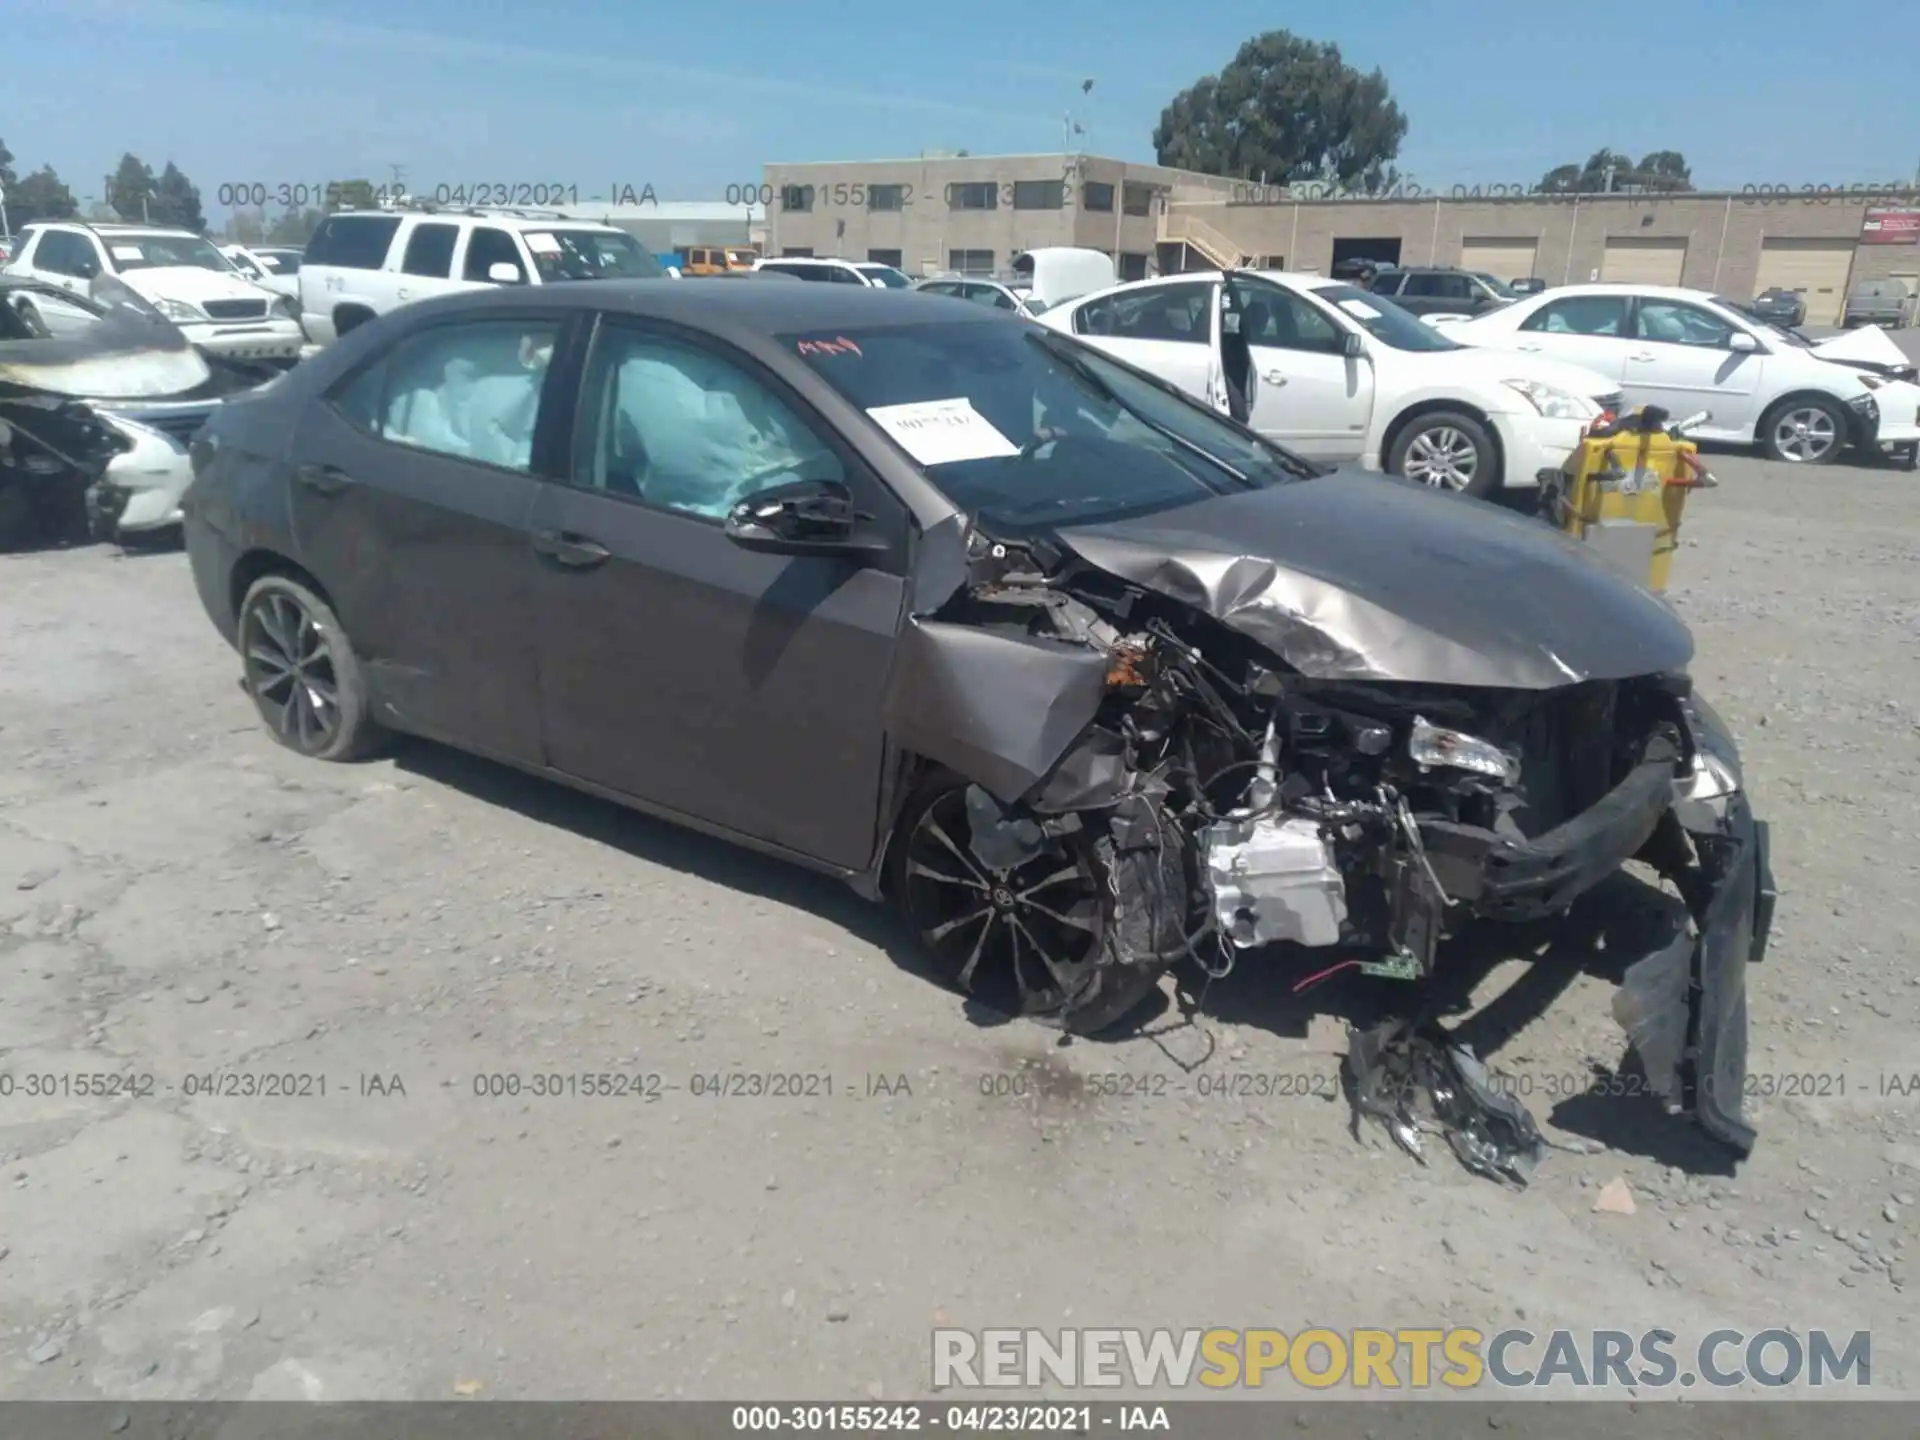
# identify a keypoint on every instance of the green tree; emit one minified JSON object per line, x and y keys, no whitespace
{"x":351,"y":195}
{"x":7,"y":177}
{"x":131,"y":189}
{"x":39,"y":196}
{"x":293,"y":227}
{"x":1284,"y":110}
{"x":176,"y":201}
{"x":1609,"y":171}
{"x":1664,"y":170}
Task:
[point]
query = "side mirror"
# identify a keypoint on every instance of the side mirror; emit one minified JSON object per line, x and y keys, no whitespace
{"x":803,"y":517}
{"x":1742,"y":342}
{"x":1352,"y":346}
{"x":503,"y":272}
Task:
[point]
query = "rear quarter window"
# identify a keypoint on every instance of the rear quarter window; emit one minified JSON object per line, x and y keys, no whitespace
{"x":353,"y":242}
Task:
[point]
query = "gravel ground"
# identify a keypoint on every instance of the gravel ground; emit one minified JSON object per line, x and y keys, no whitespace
{"x":179,"y":898}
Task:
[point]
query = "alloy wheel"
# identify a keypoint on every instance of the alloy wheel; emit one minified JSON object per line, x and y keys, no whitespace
{"x":290,"y":672}
{"x":1442,"y":457}
{"x":1022,"y":937}
{"x":1805,"y":434}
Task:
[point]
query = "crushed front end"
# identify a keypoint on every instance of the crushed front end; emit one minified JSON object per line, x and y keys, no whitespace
{"x":1356,"y":820}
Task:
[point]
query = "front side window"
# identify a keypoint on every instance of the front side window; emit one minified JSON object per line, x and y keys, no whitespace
{"x":1673,"y":323}
{"x":676,"y":426}
{"x":471,"y":391}
{"x":1386,"y":283}
{"x":487,"y":247}
{"x":1272,"y":316}
{"x":1601,"y":315}
{"x":430,"y":251}
{"x":1177,"y":312}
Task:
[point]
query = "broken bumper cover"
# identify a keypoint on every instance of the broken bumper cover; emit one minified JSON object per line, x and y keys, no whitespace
{"x":1514,"y":879}
{"x":1684,"y":1007}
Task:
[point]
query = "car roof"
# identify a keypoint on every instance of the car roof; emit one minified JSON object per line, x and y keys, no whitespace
{"x":506,"y":219}
{"x":763,"y":308}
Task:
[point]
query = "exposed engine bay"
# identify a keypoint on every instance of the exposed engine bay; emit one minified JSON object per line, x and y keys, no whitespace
{"x":1357,"y":821}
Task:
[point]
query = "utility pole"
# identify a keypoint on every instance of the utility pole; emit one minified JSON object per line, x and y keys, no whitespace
{"x":399,"y":173}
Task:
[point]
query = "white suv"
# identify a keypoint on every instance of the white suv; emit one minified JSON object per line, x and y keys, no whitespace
{"x":843,"y":272}
{"x":183,"y":275}
{"x":363,"y":263}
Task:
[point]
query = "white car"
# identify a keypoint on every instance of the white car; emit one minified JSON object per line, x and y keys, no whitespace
{"x":1335,"y":374}
{"x":271,"y":267}
{"x":183,"y":275}
{"x":1799,"y":400}
{"x":842,"y":272}
{"x":363,"y":263}
{"x":995,"y":294}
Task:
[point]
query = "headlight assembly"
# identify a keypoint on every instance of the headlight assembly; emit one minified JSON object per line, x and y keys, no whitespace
{"x":179,"y":310}
{"x":1434,"y":745}
{"x":1553,"y":402}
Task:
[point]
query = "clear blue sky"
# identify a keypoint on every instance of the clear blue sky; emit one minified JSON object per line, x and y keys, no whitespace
{"x":691,"y":97}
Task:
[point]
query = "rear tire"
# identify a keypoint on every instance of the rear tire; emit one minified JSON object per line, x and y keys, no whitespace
{"x":1808,"y":430}
{"x":1447,"y":450}
{"x":1037,"y":938}
{"x":300,"y":668}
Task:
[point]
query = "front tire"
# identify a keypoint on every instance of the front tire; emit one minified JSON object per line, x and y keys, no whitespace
{"x":1447,"y":450}
{"x":1810,"y":430}
{"x":1037,"y":937}
{"x":302,"y":673}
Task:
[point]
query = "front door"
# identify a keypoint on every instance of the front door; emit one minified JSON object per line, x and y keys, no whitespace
{"x":410,"y":508}
{"x":1312,"y":397}
{"x":1681,"y":357}
{"x":738,"y":688}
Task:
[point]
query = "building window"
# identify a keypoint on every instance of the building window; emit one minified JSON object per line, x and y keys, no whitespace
{"x":1273,"y":262}
{"x":973,"y":195}
{"x":884,"y":257}
{"x":886,"y":197}
{"x":970,"y":262}
{"x":1133,"y":265}
{"x":1039,"y":194}
{"x":796,"y":197}
{"x":803,"y":251}
{"x":1138,"y":199}
{"x":1097,"y":195}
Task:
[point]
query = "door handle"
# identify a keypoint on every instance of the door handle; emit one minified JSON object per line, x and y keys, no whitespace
{"x":566,"y":548}
{"x":1273,"y":377}
{"x":327,"y":479}
{"x":1642,"y":355}
{"x":1530,"y":349}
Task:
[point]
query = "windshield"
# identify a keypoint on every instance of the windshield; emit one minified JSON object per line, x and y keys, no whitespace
{"x":1384,"y":320}
{"x":149,"y":252}
{"x":888,"y":276}
{"x":591,"y":255}
{"x":1028,"y":429}
{"x":1495,"y":284}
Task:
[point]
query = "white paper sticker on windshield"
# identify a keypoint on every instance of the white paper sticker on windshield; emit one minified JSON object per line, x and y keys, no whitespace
{"x":541,"y":243}
{"x":127,"y":252}
{"x":939,"y":432}
{"x":1359,"y":309}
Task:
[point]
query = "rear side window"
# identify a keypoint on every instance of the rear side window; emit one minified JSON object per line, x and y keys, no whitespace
{"x":353,"y":242}
{"x":430,"y":250}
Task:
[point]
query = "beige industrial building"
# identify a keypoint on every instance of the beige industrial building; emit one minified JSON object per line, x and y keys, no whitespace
{"x":977,"y":212}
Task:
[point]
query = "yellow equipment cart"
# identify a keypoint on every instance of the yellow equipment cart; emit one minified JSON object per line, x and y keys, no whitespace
{"x":1623,"y":489}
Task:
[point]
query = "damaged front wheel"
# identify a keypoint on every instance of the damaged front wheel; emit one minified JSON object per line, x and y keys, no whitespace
{"x":1016,"y":912}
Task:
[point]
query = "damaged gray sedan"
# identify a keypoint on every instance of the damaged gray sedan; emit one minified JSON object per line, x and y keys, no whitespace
{"x":1083,"y":677}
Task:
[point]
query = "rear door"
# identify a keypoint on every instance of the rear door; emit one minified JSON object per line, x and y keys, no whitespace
{"x":410,"y":506}
{"x":737,"y":688}
{"x":1589,"y":330}
{"x":426,"y":260}
{"x":1167,"y":330}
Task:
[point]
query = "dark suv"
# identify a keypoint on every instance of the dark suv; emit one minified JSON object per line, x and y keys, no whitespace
{"x":1433,"y":290}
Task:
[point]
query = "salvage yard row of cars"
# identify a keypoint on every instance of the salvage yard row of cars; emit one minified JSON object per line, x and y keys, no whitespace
{"x":1089,"y":643}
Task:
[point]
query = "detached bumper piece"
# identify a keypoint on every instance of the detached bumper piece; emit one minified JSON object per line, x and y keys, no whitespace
{"x":106,"y":503}
{"x":1684,"y":1008}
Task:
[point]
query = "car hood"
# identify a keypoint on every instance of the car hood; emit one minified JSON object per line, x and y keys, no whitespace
{"x":1355,"y":576}
{"x":192,"y":284}
{"x":1870,"y":346}
{"x":1493,"y":365}
{"x":131,"y":353}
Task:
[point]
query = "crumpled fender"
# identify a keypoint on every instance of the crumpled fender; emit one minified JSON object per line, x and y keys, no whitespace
{"x":998,"y":708}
